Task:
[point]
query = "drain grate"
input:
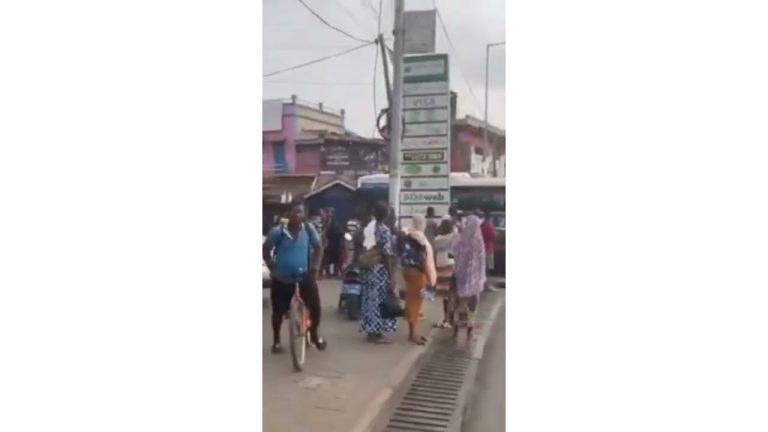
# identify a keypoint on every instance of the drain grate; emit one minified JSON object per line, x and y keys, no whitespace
{"x":435,"y":396}
{"x":432,"y":399}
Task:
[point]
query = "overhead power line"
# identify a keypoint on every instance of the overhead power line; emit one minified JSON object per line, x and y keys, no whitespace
{"x":349,"y":13}
{"x":375,"y":68}
{"x":453,"y":49}
{"x":311,"y":62}
{"x":369,"y":4}
{"x":329,"y":24}
{"x":319,"y":83}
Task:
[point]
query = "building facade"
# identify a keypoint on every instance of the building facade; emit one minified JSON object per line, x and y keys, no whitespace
{"x":346,"y":155}
{"x":285,"y":123}
{"x":471,"y":153}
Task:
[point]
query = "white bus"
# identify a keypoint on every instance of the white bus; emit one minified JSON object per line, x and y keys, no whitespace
{"x":468,"y":194}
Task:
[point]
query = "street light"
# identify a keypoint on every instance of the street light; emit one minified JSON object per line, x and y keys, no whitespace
{"x":487,"y":57}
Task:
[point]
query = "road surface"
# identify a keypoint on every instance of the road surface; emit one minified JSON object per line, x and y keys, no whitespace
{"x":485,"y":412}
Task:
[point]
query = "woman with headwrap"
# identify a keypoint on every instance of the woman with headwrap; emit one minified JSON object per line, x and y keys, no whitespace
{"x":469,"y":256}
{"x":418,"y":263}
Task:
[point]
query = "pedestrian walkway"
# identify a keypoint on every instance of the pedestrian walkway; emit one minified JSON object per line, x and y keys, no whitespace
{"x":344,"y":387}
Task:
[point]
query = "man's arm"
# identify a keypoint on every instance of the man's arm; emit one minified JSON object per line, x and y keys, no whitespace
{"x":316,"y":256}
{"x":266,"y":250}
{"x":392,"y":257}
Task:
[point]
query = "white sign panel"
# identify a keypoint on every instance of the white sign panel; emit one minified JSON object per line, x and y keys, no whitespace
{"x":426,"y":129}
{"x":423,"y":170}
{"x":425,"y":197}
{"x":427,"y":68}
{"x":426,"y":115}
{"x":431,"y":101}
{"x":425,"y":88}
{"x":420,"y":32}
{"x":410,"y":210}
{"x":428,"y":183}
{"x":425,"y":150}
{"x":440,"y":142}
{"x":424,"y":156}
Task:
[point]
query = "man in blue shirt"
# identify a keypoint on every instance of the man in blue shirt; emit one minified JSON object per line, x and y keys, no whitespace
{"x":296,"y":259}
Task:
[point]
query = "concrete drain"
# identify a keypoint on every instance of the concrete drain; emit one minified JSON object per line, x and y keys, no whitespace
{"x":431,"y":402}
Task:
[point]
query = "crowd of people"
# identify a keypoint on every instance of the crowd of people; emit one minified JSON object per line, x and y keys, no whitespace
{"x":446,"y":258}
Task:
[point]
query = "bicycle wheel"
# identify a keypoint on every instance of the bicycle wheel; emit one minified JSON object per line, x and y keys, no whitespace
{"x":297,"y":334}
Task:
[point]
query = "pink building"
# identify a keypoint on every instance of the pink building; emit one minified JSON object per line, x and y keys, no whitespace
{"x":469,"y":151}
{"x":287,"y":122}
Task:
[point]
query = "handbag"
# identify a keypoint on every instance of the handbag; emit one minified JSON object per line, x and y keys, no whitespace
{"x":390,"y":307}
{"x":370,"y":258}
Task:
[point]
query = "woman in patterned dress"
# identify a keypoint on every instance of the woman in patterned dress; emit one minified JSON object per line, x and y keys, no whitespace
{"x":470,"y":274}
{"x":377,"y":280}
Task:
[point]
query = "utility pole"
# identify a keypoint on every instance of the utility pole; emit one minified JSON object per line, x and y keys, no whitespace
{"x":396,"y":121}
{"x":485,"y":129}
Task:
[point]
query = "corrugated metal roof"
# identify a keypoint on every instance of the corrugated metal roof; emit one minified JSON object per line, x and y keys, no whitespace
{"x":294,"y":185}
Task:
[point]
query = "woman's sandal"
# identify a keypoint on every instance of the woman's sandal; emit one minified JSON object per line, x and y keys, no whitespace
{"x":378,"y":340}
{"x":421,"y":340}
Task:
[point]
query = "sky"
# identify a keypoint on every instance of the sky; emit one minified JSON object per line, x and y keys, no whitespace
{"x":292,"y":35}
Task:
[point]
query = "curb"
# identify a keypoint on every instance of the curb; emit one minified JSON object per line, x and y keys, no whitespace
{"x":477,"y":355}
{"x":477,"y":352}
{"x":371,"y":414}
{"x":388,"y":401}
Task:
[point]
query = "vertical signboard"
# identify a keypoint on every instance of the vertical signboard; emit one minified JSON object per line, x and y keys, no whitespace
{"x":425,"y":152}
{"x":420,"y":31}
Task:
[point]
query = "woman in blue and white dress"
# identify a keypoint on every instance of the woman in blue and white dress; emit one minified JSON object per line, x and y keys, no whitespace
{"x":377,"y":280}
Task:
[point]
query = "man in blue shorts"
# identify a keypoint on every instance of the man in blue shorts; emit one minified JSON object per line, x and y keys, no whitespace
{"x":293,"y":254}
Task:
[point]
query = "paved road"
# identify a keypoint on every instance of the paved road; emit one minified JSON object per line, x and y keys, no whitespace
{"x":485,"y":412}
{"x":342,"y":388}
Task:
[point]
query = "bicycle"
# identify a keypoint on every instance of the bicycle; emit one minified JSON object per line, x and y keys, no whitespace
{"x":299,"y":324}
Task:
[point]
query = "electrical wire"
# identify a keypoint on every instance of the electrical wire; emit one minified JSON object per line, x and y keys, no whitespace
{"x":312,"y":48}
{"x":381,"y":5}
{"x":311,"y":62}
{"x":375,"y":70}
{"x":453,"y":49}
{"x":349,"y":13}
{"x":371,"y":7}
{"x":373,"y":84}
{"x":320,"y":83}
{"x":329,"y":24}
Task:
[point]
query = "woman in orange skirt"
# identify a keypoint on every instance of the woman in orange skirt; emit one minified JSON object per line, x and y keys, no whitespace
{"x":419,"y":273}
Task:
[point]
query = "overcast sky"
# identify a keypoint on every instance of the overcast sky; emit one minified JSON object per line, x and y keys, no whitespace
{"x":292,"y":35}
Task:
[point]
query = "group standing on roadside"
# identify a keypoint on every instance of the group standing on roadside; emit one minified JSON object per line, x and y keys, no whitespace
{"x":446,"y":257}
